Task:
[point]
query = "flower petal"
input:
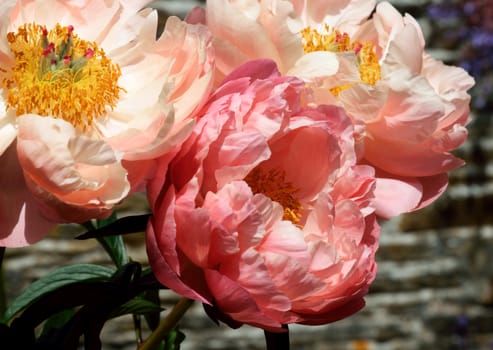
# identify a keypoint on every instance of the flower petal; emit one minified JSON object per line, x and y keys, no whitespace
{"x":21,"y":222}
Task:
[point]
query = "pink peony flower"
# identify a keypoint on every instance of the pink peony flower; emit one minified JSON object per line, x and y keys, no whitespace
{"x":264,"y":214}
{"x":89,"y":101}
{"x":414,"y":116}
{"x":409,"y":110}
{"x":277,"y":28}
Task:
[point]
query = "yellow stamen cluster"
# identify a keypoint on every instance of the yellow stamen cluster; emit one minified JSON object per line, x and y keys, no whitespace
{"x":335,"y":41}
{"x":273,"y":184}
{"x":369,"y":68}
{"x":57,"y":74}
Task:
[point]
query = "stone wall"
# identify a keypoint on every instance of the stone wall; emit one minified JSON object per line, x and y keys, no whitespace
{"x":434,"y":288}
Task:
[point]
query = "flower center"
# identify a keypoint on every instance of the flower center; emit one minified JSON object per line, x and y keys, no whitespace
{"x":57,"y":74}
{"x":273,"y":184}
{"x":335,"y":41}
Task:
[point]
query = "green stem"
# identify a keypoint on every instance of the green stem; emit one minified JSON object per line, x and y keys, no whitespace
{"x":88,"y":225}
{"x":167,"y":325}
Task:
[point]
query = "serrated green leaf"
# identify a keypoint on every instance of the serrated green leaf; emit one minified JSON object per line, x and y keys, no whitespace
{"x":136,"y":306}
{"x":55,"y":279}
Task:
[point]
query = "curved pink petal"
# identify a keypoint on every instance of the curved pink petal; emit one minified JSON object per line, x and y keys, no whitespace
{"x":235,"y":301}
{"x":66,"y":170}
{"x":8,"y":131}
{"x":394,"y":196}
{"x":409,"y":159}
{"x":452,"y":84}
{"x":343,"y":14}
{"x":78,"y":14}
{"x":233,"y":24}
{"x":21,"y":222}
{"x":433,"y":187}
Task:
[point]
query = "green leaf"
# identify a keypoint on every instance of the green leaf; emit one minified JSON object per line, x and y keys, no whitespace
{"x":105,"y":222}
{"x":58,"y":320}
{"x":114,"y":245}
{"x":136,"y":306}
{"x":56,"y":279}
{"x":122,"y":226}
{"x":152,"y":318}
{"x":173,"y":339}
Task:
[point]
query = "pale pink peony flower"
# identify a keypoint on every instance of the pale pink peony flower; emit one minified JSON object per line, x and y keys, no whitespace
{"x":409,"y":110}
{"x":89,"y":98}
{"x":415,"y":115}
{"x":264,"y":215}
{"x":277,"y":27}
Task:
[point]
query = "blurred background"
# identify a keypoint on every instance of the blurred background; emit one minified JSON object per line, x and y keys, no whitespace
{"x":434,"y":288}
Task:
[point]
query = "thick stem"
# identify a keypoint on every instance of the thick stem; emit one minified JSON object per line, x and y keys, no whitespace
{"x":277,"y":341}
{"x":167,"y":325}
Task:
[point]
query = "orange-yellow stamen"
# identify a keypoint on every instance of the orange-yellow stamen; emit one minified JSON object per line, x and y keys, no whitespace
{"x":335,"y":41}
{"x":57,"y":74}
{"x":273,"y":184}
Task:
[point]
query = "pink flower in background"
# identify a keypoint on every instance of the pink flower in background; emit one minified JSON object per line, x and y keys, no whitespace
{"x":414,"y":116}
{"x":264,"y":214}
{"x":408,"y":109}
{"x":411,"y":109}
{"x":247,"y":30}
{"x":277,"y":27}
{"x":88,"y":102}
